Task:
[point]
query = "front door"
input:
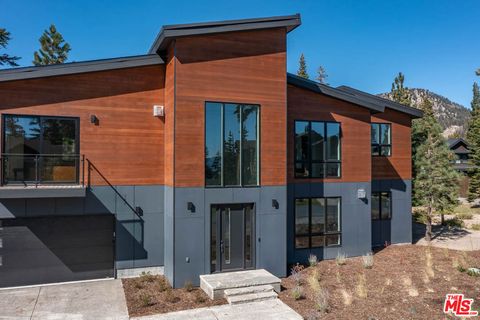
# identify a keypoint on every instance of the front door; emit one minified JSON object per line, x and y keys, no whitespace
{"x":232,"y":237}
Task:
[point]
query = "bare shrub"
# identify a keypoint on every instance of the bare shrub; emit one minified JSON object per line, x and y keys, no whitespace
{"x":296,"y":274}
{"x":367,"y":260}
{"x":146,"y":300}
{"x":312,"y":260}
{"x":321,"y":300}
{"x":341,"y":259}
{"x":347,"y":297}
{"x":361,"y":288}
{"x":297,"y":293}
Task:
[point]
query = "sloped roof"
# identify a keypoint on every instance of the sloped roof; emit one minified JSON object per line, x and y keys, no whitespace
{"x":79,"y":67}
{"x":363,"y":99}
{"x":169,"y":32}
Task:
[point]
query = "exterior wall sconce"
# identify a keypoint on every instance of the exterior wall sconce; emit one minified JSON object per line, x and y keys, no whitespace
{"x":191,"y":207}
{"x":275,"y":204}
{"x":94,"y":120}
{"x":139,"y":211}
{"x":361,"y":194}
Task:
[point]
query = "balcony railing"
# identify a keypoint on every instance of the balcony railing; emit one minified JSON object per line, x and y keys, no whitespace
{"x":35,"y":169}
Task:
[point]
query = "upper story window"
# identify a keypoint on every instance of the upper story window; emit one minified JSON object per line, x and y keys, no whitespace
{"x":317,"y":222}
{"x":381,"y":205}
{"x":231,"y":144}
{"x":381,"y":139}
{"x":317,"y":149}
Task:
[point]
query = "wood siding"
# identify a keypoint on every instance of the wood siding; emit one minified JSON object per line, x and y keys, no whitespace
{"x":399,"y":164}
{"x":240,"y":67}
{"x":127,"y":145}
{"x":355,"y":129}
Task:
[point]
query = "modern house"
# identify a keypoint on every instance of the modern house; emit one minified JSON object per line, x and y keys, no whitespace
{"x":202,"y":156}
{"x":460,"y":148}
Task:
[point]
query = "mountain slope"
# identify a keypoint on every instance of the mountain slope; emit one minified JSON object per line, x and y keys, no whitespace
{"x":453,"y":117}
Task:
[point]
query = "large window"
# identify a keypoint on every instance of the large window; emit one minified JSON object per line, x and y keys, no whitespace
{"x":317,"y":149}
{"x":381,"y":139}
{"x":40,"y":149}
{"x":317,"y":222}
{"x":381,"y":206}
{"x":231,"y":144}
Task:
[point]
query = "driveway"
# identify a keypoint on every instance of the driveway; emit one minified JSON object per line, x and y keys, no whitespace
{"x":102,"y":299}
{"x":445,"y":237}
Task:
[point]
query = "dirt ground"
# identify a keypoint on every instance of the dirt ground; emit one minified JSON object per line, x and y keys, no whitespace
{"x":405,"y":282}
{"x":150,"y":294}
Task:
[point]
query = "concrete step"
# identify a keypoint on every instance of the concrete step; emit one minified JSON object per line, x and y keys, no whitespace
{"x":248,"y":290}
{"x":252,"y":297}
{"x":215,"y":284}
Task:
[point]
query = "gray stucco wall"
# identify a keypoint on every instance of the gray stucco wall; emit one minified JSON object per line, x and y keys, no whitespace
{"x":139,"y":242}
{"x":191,"y":231}
{"x":355,"y":216}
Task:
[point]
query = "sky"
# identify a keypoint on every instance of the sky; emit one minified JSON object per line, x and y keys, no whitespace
{"x":362,"y":44}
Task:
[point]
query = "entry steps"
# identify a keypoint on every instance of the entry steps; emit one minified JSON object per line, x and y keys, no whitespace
{"x":241,"y":286}
{"x":250,"y":294}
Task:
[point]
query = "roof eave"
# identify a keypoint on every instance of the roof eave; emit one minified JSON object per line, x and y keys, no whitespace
{"x":24,"y":73}
{"x":167,"y":33}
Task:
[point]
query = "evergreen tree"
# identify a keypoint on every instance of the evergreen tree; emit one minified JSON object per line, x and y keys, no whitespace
{"x":322,"y":75}
{"x":436,"y":183}
{"x":5,"y":59}
{"x":399,"y":92}
{"x":53,"y":49}
{"x":473,"y":138}
{"x":302,"y":67}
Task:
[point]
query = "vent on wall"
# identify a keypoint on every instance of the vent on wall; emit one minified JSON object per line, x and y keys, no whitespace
{"x":158,"y":111}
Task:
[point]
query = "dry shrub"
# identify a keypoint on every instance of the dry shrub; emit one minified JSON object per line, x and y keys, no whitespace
{"x":312,"y":260}
{"x":321,"y":300}
{"x":188,"y":286}
{"x":147,"y":277}
{"x":367,"y":260}
{"x":296,"y":274}
{"x":313,"y":281}
{"x":347,"y":297}
{"x":429,"y":264}
{"x":297,"y":293}
{"x":341,"y":259}
{"x":338,"y":277}
{"x":146,"y":300}
{"x":361,"y":288}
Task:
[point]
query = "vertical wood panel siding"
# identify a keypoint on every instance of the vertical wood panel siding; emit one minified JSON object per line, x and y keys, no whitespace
{"x":127,"y":146}
{"x":241,"y":67}
{"x":399,"y":165}
{"x":355,"y":126}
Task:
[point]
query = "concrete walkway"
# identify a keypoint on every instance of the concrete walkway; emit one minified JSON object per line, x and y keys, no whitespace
{"x":450,"y":238}
{"x":263,"y":310}
{"x":77,"y":301}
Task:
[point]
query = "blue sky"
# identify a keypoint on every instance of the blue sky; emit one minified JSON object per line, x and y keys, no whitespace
{"x":362,"y":44}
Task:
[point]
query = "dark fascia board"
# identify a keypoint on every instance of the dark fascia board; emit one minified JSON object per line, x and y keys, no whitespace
{"x":169,"y":32}
{"x":79,"y":67}
{"x":332,"y":92}
{"x":413,"y":112}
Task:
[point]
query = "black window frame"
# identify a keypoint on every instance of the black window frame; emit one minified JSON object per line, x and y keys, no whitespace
{"x":308,"y":163}
{"x":380,"y":144}
{"x":241,"y":185}
{"x":314,"y":234}
{"x":379,"y":193}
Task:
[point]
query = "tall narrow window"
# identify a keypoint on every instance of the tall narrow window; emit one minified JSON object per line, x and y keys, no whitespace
{"x":381,"y":139}
{"x":231,"y":144}
{"x":317,"y":222}
{"x":317,"y":149}
{"x":381,"y":206}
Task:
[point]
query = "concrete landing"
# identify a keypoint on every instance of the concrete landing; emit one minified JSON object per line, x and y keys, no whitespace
{"x":264,"y":310}
{"x":215,"y":285}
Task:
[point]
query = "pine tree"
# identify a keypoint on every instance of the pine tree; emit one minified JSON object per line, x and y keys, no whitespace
{"x":5,"y":59}
{"x":473,"y":138}
{"x":399,"y":92}
{"x":436,"y":183}
{"x":53,"y":49}
{"x":302,"y":68}
{"x":322,"y":75}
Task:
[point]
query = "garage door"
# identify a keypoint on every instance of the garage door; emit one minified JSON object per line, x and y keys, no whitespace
{"x":55,"y":249}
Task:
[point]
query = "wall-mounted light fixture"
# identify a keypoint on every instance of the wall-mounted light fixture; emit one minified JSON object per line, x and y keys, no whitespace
{"x":191,"y":207}
{"x":158,"y":111}
{"x":139,"y":211}
{"x":275,"y":204}
{"x":361,"y":194}
{"x":94,"y":120}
